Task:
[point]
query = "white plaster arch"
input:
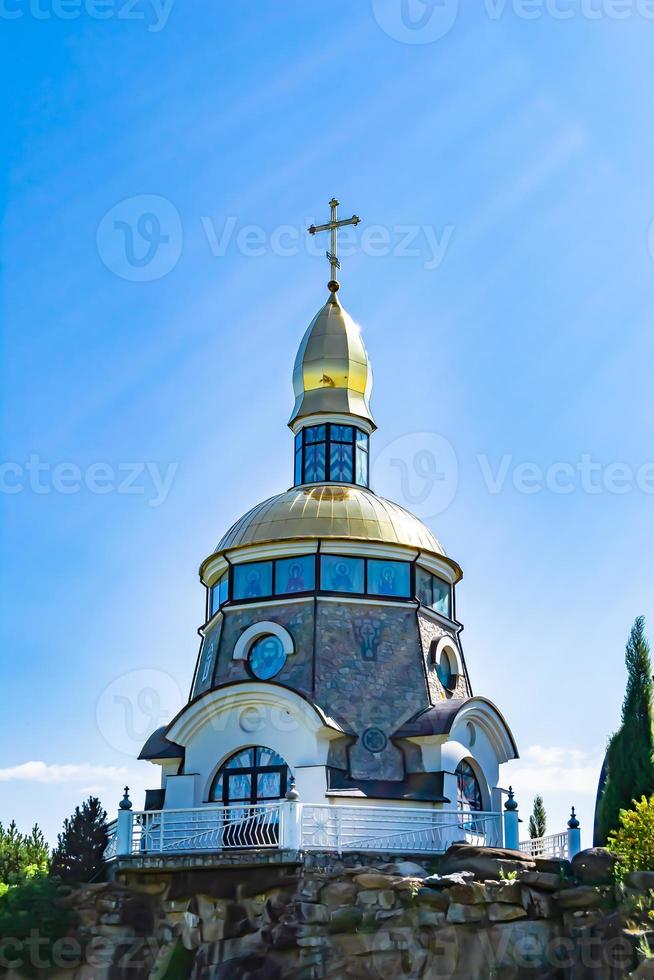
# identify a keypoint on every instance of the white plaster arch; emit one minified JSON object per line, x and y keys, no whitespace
{"x":449,"y":646}
{"x":262,"y":628}
{"x":224,"y":720}
{"x":486,"y":718}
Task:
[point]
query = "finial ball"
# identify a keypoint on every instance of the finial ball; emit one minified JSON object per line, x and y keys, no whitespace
{"x":333,"y":285}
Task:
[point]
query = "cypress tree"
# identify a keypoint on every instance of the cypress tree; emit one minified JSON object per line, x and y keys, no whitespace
{"x":630,"y":753}
{"x":538,"y":819}
{"x":78,"y":855}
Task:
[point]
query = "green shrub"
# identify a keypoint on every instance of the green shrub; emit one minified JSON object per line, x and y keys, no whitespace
{"x":633,"y":841}
{"x":33,"y":925}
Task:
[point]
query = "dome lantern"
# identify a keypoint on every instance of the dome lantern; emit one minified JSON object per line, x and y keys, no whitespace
{"x":332,"y":383}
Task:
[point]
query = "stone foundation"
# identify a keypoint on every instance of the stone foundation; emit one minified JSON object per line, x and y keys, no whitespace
{"x":481,"y":913}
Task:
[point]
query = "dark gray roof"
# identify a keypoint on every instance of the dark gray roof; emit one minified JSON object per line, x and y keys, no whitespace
{"x":436,"y":720}
{"x":158,"y":747}
{"x":426,"y":787}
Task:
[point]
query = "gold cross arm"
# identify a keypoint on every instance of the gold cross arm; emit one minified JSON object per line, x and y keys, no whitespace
{"x":332,"y":226}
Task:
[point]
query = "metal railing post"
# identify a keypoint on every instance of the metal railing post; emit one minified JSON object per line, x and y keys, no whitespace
{"x":574,"y":835}
{"x":290,"y":816}
{"x":511,"y":823}
{"x":124,"y":826}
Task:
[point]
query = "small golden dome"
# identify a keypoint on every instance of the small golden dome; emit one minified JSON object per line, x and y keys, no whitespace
{"x":332,"y":373}
{"x":330,"y":511}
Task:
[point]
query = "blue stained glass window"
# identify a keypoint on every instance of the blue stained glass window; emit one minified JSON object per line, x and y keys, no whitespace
{"x":240,"y":786}
{"x":242,"y":760}
{"x":468,"y":788}
{"x":392,"y":578}
{"x":423,"y":586}
{"x":362,"y":477}
{"x":432,"y":591}
{"x":362,"y":464}
{"x":340,"y":462}
{"x":315,"y":433}
{"x":298,"y":459}
{"x":268,"y":757}
{"x":219,"y":593}
{"x":269,"y":785}
{"x":250,"y":777}
{"x":295,"y":575}
{"x":215,"y":600}
{"x":444,"y":671}
{"x":253,"y":580}
{"x":441,"y":597}
{"x":266,"y":657}
{"x":342,"y":433}
{"x":341,"y":574}
{"x":314,"y":463}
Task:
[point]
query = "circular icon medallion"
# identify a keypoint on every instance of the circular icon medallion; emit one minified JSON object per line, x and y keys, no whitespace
{"x":374,"y":740}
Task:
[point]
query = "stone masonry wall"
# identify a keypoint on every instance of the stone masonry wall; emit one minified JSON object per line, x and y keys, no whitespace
{"x":369,"y":669}
{"x":484,"y":914}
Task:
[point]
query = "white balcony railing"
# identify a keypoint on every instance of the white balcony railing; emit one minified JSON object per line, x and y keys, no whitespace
{"x":554,"y":846}
{"x":110,"y":849}
{"x":297,"y":826}
{"x":377,"y":828}
{"x":207,"y":828}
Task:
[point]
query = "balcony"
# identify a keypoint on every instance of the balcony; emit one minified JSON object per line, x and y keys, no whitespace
{"x":291,"y":826}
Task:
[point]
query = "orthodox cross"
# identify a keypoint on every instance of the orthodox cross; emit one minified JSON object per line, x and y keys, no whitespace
{"x":333,"y":225}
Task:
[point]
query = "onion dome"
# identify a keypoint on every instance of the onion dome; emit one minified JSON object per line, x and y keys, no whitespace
{"x":332,"y":373}
{"x":330,"y":511}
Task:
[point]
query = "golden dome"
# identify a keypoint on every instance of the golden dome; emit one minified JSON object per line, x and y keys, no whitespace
{"x":332,"y":373}
{"x":330,"y":511}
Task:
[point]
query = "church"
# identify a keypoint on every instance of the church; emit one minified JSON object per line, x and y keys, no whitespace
{"x":331,"y":669}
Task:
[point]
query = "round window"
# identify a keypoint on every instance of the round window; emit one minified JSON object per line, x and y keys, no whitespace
{"x":444,"y":670}
{"x":266,"y":657}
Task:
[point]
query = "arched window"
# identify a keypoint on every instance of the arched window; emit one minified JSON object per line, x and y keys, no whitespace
{"x":468,"y":788}
{"x":251,"y":776}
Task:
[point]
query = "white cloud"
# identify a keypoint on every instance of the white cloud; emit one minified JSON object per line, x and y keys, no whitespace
{"x":555,"y":769}
{"x":42,"y":772}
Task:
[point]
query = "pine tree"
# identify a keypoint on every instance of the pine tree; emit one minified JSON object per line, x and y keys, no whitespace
{"x":538,"y":819}
{"x":630,"y":753}
{"x":78,"y":855}
{"x":21,"y":854}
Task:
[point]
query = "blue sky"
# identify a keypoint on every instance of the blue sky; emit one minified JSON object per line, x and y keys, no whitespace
{"x":503,"y":168}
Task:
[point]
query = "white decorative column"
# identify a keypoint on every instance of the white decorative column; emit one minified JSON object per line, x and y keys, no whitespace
{"x":574,"y":835}
{"x":124,"y":826}
{"x":290,"y":812}
{"x":511,"y":823}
